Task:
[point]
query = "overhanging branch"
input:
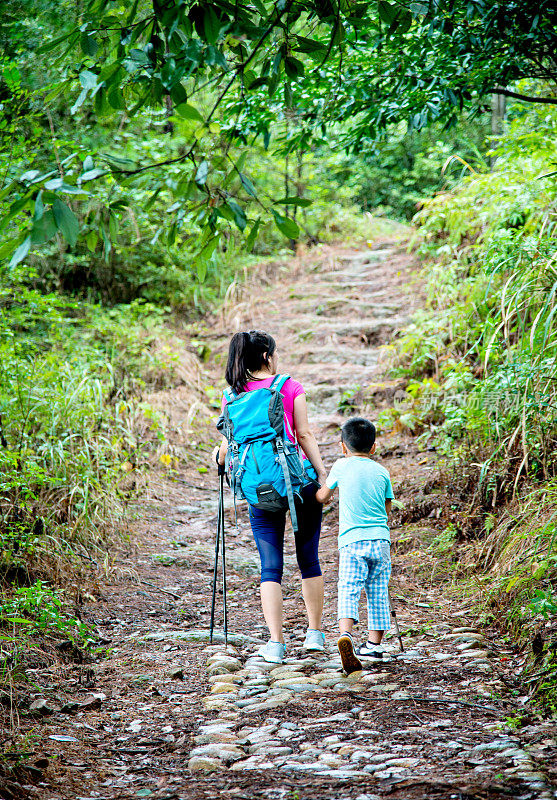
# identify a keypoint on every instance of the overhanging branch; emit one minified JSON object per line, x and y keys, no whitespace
{"x":526,"y":98}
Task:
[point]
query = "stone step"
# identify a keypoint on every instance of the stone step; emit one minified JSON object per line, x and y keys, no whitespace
{"x":339,"y":306}
{"x":340,"y":354}
{"x":355,"y":259}
{"x":319,"y":374}
{"x":351,"y":282}
{"x":367,"y":330}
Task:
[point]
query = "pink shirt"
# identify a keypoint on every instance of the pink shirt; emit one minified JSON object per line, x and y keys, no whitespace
{"x":289,"y":392}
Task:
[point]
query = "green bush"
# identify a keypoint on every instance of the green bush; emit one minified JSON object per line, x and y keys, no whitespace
{"x":489,"y":337}
{"x":69,"y":373}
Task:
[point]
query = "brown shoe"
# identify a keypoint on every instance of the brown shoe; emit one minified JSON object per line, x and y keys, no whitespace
{"x":350,"y":661}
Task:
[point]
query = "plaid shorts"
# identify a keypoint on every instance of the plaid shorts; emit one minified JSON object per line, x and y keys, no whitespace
{"x":365,"y":565}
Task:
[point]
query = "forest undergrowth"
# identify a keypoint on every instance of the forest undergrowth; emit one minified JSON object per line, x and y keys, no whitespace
{"x":481,"y":366}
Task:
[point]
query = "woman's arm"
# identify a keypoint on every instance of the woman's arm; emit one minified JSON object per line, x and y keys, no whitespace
{"x":305,"y":437}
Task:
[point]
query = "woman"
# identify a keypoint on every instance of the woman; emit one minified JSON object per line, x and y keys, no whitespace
{"x":252,"y":364}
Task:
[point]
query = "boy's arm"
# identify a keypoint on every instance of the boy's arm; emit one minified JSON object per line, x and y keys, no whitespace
{"x":327,"y":489}
{"x":389,"y":494}
{"x":324,"y":494}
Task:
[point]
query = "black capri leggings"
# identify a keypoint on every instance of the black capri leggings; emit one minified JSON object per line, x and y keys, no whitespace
{"x":268,"y":531}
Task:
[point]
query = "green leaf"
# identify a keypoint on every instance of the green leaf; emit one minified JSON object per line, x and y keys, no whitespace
{"x":43,"y":228}
{"x":252,"y":236}
{"x":66,"y":221}
{"x":151,"y":200}
{"x":109,"y":73}
{"x":21,"y":252}
{"x":91,"y":174}
{"x":310,"y":46}
{"x":187,"y":111}
{"x":79,"y":102}
{"x":171,"y":235}
{"x":102,"y":106}
{"x":387,"y":11}
{"x":207,"y":251}
{"x":59,"y":185}
{"x":178,"y":94}
{"x":39,"y":206}
{"x":238,"y":213}
{"x":7,"y":248}
{"x":201,"y":269}
{"x":113,"y":226}
{"x":88,"y":44}
{"x":248,"y":185}
{"x":91,"y":239}
{"x":211,"y":25}
{"x":293,"y":67}
{"x":419,"y":8}
{"x":53,"y":43}
{"x":88,"y":79}
{"x":202,"y":173}
{"x":115,"y":98}
{"x":8,"y":189}
{"x":285,"y":225}
{"x":293,"y":201}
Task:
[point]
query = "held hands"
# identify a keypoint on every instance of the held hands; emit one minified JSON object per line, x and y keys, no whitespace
{"x":321,"y":478}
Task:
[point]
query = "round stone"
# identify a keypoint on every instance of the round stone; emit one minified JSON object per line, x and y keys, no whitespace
{"x":223,"y":663}
{"x":224,"y":688}
{"x":204,"y":764}
{"x":224,"y":752}
{"x":225,"y":678}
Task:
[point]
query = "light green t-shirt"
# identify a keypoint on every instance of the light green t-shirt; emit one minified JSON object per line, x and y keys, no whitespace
{"x":363,"y":487}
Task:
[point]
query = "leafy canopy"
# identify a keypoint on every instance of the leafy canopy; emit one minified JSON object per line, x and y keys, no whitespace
{"x":224,"y":73}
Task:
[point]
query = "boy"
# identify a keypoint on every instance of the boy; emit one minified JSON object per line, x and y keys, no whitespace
{"x":365,"y":495}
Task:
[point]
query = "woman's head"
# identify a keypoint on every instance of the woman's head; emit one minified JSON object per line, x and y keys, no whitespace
{"x":248,"y":352}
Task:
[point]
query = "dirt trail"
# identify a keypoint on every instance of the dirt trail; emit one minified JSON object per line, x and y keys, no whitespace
{"x":171,"y":717}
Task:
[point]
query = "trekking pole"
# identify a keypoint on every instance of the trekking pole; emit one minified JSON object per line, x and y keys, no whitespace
{"x":395,"y":623}
{"x":221,"y":516}
{"x":217,"y":547}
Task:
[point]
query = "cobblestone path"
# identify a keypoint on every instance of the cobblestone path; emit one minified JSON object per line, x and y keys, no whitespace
{"x":179,"y":718}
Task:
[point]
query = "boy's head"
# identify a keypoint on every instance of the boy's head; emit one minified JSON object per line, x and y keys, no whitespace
{"x":358,"y":435}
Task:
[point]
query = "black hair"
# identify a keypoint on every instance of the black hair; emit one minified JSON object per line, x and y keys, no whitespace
{"x":248,"y":351}
{"x":358,"y":434}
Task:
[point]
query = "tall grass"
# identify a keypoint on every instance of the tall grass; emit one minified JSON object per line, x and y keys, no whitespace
{"x":490,"y":336}
{"x":483,"y":361}
{"x":69,"y":377}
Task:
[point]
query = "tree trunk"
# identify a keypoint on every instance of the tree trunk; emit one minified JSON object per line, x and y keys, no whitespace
{"x":498,"y":109}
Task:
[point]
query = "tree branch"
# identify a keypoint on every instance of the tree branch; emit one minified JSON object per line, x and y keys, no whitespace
{"x":525,"y":97}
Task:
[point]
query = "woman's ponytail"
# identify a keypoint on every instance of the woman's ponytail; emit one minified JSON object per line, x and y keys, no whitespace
{"x":248,"y":352}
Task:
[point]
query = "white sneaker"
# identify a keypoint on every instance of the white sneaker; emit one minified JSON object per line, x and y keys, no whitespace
{"x":272,"y":652}
{"x":370,"y":650}
{"x":315,"y":640}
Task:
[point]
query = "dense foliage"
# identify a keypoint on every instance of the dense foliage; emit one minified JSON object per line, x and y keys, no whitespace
{"x":483,"y":363}
{"x":203,"y":70}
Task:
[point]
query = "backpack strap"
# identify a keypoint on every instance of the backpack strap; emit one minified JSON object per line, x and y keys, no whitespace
{"x":278,"y":382}
{"x":289,"y":493}
{"x":229,"y":395}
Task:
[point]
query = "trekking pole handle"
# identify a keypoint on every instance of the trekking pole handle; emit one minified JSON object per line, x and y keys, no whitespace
{"x":221,"y":468}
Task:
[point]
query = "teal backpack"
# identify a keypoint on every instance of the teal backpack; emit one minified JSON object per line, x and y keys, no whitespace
{"x":263,"y":464}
